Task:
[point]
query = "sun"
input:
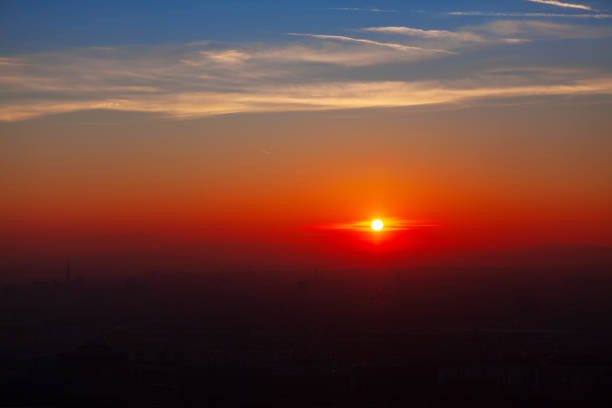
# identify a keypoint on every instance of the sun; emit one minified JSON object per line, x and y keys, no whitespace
{"x":377,"y":225}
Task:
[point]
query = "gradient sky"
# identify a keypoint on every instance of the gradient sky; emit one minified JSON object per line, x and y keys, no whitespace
{"x":256,"y":129}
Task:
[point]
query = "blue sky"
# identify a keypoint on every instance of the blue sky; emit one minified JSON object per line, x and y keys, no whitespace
{"x":28,"y":25}
{"x":199,"y":59}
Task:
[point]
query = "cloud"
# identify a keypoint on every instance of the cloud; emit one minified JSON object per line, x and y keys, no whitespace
{"x":395,"y":46}
{"x":309,"y":97}
{"x":535,"y":15}
{"x":372,"y":10}
{"x":495,"y":32}
{"x":429,"y":34}
{"x":331,"y":50}
{"x":316,"y":72}
{"x":561,"y":4}
{"x":354,"y":55}
{"x":541,"y":30}
{"x":227,"y":56}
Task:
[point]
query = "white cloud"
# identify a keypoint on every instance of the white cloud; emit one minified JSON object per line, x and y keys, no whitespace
{"x":315,"y":74}
{"x":561,"y":4}
{"x":541,"y":29}
{"x":372,"y":10}
{"x":429,"y":34}
{"x":227,"y":56}
{"x":535,"y":15}
{"x":340,"y":54}
{"x":498,"y":31}
{"x":395,"y":46}
{"x":310,"y":97}
{"x":332,"y":50}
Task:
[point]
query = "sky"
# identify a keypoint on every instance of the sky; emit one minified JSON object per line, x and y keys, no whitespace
{"x":260,"y":133}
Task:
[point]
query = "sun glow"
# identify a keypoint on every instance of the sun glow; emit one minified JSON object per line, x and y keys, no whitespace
{"x":377,"y":225}
{"x":390,"y":224}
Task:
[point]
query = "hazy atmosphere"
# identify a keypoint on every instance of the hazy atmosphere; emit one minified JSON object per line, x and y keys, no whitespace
{"x":449,"y":160}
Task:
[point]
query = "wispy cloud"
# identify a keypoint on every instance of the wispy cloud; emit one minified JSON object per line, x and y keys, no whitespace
{"x":541,"y":29}
{"x":534,"y":15}
{"x":332,"y":53}
{"x":227,"y":56}
{"x":325,"y":96}
{"x":395,"y":46}
{"x":371,"y":10}
{"x":430,"y":34}
{"x":177,"y":101}
{"x":313,"y":72}
{"x":332,"y":50}
{"x":561,"y":4}
{"x":498,"y":31}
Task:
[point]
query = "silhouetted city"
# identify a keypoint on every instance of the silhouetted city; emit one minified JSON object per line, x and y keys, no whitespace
{"x":421,"y":336}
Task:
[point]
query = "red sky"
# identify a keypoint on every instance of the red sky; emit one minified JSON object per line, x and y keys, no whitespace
{"x":485,"y":178}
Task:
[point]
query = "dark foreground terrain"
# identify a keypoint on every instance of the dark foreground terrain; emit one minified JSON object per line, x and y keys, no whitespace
{"x":426,"y":338}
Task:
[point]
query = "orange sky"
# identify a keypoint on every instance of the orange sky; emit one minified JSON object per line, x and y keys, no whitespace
{"x":488,"y":178}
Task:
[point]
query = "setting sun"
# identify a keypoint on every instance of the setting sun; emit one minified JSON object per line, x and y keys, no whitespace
{"x":377,"y":225}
